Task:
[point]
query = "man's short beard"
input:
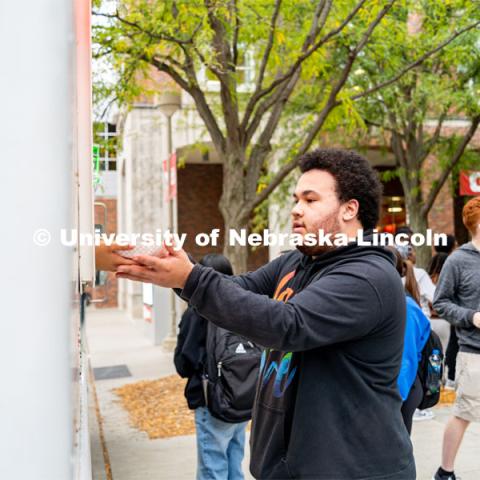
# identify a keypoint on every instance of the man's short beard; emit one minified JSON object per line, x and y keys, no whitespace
{"x":329,"y":225}
{"x":314,"y":250}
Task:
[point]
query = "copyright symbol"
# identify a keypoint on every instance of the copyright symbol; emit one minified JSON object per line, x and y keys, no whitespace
{"x":41,"y":237}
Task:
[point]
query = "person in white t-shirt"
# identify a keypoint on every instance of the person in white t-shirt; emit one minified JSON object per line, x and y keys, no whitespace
{"x":425,"y":284}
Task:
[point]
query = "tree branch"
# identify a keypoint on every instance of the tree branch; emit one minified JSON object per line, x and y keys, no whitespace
{"x":200,"y":101}
{"x":279,"y":99}
{"x":152,"y":35}
{"x":265,"y":58}
{"x":319,"y":19}
{"x":416,"y":63}
{"x":398,"y":150}
{"x":236,"y":33}
{"x":308,"y":52}
{"x":379,"y":125}
{"x":262,"y":147}
{"x":228,"y":93}
{"x":436,"y":135}
{"x":437,"y":186}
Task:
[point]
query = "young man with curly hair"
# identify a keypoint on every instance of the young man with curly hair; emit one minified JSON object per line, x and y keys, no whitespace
{"x":332,"y":322}
{"x":457,"y":299}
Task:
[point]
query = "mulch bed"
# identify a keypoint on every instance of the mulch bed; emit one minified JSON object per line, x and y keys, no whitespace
{"x":158,"y":407}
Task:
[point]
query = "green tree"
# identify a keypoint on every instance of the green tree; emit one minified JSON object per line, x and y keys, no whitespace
{"x":410,"y":114}
{"x":304,"y":52}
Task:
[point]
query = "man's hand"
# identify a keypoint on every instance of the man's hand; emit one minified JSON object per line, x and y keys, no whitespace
{"x":476,"y":319}
{"x":169,"y":268}
{"x":106,"y":259}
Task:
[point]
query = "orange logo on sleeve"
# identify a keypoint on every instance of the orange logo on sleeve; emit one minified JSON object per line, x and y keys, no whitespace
{"x":284,"y":295}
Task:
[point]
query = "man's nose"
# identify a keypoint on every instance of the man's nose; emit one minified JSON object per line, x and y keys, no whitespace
{"x":297,"y":210}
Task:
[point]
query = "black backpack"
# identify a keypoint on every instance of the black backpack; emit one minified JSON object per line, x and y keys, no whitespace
{"x":231,"y":374}
{"x":430,"y":372}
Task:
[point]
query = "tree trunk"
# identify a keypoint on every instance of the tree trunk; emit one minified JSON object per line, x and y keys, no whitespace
{"x":419,"y":224}
{"x":237,"y":254}
{"x":460,"y":231}
{"x":232,"y":206}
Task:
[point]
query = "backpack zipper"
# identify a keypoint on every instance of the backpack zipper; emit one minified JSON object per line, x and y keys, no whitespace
{"x":219,"y":369}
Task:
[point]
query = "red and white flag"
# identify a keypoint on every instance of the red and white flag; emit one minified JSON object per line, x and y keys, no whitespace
{"x":469,"y":183}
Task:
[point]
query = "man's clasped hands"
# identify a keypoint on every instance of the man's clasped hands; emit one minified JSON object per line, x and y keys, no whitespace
{"x":169,"y":267}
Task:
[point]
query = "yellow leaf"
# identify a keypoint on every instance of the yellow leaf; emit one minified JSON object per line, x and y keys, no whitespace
{"x":280,"y":37}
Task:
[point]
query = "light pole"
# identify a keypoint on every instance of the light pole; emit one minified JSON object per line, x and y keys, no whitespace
{"x":168,"y":104}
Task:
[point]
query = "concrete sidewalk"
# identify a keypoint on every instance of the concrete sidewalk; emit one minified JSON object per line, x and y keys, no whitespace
{"x":114,"y":339}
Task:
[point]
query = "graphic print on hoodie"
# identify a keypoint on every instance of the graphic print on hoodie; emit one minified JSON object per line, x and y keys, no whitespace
{"x":279,"y":371}
{"x":278,"y":368}
{"x":276,"y":388}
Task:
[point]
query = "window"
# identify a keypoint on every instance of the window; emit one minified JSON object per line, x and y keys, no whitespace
{"x":105,"y":136}
{"x":245,"y":73}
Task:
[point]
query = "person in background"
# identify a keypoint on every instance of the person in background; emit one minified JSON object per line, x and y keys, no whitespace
{"x":439,"y":326}
{"x":425,"y":284}
{"x":220,"y":445}
{"x":449,"y":247}
{"x":444,"y":330}
{"x":417,"y":331}
{"x":451,"y":351}
{"x":405,"y":229}
{"x":457,"y":299}
{"x":426,"y":290}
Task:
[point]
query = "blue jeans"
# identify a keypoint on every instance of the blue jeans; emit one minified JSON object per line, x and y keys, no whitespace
{"x":220,"y":447}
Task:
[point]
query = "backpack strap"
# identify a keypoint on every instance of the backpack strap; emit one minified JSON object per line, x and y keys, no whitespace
{"x":209,"y":348}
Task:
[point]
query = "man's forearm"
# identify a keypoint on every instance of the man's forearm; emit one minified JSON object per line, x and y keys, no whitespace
{"x":454,"y":314}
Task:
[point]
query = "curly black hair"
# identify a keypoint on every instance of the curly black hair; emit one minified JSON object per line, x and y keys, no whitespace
{"x":355,"y":179}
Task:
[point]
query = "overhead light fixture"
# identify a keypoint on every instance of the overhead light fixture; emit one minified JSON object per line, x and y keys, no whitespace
{"x":395,"y":209}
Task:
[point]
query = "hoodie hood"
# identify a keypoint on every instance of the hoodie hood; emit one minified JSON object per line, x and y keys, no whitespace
{"x":469,"y":247}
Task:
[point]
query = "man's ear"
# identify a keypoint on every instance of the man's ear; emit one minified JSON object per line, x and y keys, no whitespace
{"x":350,"y":210}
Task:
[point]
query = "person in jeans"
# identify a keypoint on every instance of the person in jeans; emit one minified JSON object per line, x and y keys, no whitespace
{"x":457,"y":299}
{"x":220,"y":445}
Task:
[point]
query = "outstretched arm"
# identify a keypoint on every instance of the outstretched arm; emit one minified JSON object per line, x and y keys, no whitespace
{"x":150,"y":269}
{"x":335,"y":308}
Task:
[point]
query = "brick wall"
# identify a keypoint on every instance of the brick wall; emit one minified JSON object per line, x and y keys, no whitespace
{"x":199,"y":191}
{"x":440,"y":218}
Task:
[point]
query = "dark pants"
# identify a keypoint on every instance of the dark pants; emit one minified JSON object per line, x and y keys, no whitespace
{"x":411,"y":403}
{"x":451,"y":353}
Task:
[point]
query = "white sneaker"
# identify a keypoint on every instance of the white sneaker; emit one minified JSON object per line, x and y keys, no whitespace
{"x":449,"y":384}
{"x":422,"y":415}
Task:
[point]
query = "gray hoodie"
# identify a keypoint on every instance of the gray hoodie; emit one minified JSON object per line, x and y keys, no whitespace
{"x":457,"y":296}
